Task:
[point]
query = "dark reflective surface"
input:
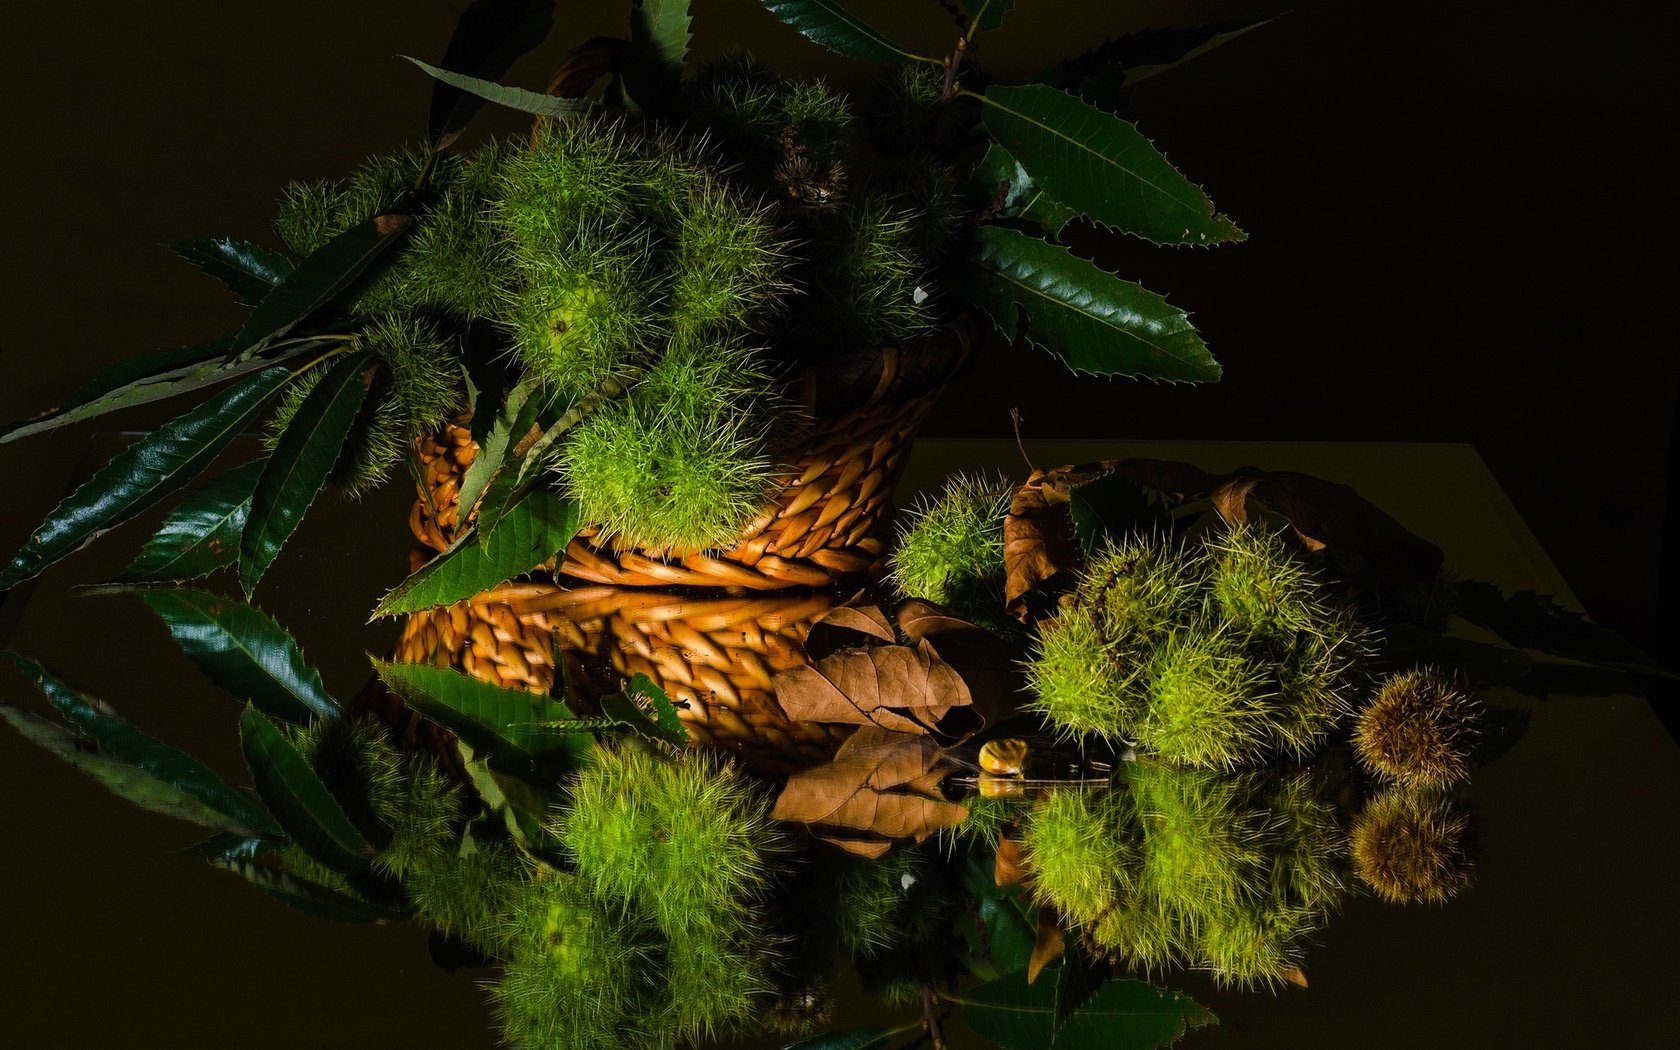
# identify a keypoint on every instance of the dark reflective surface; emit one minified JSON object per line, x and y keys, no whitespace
{"x":1568,"y":905}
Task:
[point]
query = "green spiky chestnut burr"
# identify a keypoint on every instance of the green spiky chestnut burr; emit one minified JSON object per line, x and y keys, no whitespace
{"x":1261,"y":588}
{"x":583,"y":319}
{"x":1420,"y":730}
{"x":1080,"y":681}
{"x":1208,"y":704}
{"x":1082,"y":857}
{"x":950,"y":549}
{"x":574,"y":172}
{"x":418,"y":385}
{"x":1202,"y":848}
{"x":307,"y":217}
{"x":469,"y":891}
{"x":1143,"y":589}
{"x":1252,"y":945}
{"x":728,"y":259}
{"x":577,"y":971}
{"x":455,"y":259}
{"x":1412,"y":845}
{"x":683,"y":462}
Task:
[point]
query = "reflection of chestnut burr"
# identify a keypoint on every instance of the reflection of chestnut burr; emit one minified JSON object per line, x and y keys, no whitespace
{"x":1419,"y":731}
{"x":714,"y":656}
{"x":1410,"y":845}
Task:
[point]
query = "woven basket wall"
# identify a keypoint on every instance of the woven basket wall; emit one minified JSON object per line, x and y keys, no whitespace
{"x":713,"y":656}
{"x":829,"y":518}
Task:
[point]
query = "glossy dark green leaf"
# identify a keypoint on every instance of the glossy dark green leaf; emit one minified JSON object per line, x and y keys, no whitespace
{"x":1077,"y":980}
{"x":506,"y":418}
{"x":516,"y":727}
{"x":662,"y":725}
{"x":297,"y":797}
{"x":144,"y":473}
{"x":245,"y":652}
{"x":533,"y":102}
{"x":1101,"y":166}
{"x":1113,"y":507}
{"x":302,"y":459}
{"x":248,"y":271}
{"x":548,"y":411}
{"x":228,"y":846}
{"x":1006,"y":927}
{"x":1530,"y":620}
{"x":489,"y":37}
{"x":201,"y":534}
{"x":827,"y":23}
{"x":651,"y":67}
{"x":534,"y":530}
{"x":115,"y":738}
{"x":134,"y":380}
{"x":122,"y":779}
{"x":869,"y":1037}
{"x":986,"y":15}
{"x":1120,"y":1015}
{"x":1092,"y":320}
{"x":1004,"y":189}
{"x":311,"y":898}
{"x":320,"y":280}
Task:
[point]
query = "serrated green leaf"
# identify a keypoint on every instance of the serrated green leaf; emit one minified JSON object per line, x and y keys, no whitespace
{"x":136,"y":377}
{"x":1000,"y":183}
{"x":127,"y":782}
{"x":651,"y":67}
{"x":319,"y":281}
{"x":1101,"y":166}
{"x":524,"y":101}
{"x":248,"y":271}
{"x":986,"y":15}
{"x":497,"y":443}
{"x":297,"y":797}
{"x":245,"y":652}
{"x":869,"y":1037}
{"x":297,"y":470}
{"x":1120,"y":1015}
{"x":144,"y":473}
{"x":489,"y":36}
{"x":827,"y":23}
{"x":201,"y":534}
{"x":99,"y":725}
{"x":663,"y":725}
{"x":309,"y":897}
{"x":514,"y":727}
{"x":534,"y":530}
{"x":1091,"y":319}
{"x":1009,"y":925}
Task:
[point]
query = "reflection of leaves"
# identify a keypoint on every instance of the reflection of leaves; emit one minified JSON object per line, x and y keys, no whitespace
{"x":663,"y":724}
{"x":1048,"y":943}
{"x":1121,"y":1015}
{"x":880,"y":787}
{"x":897,"y":687}
{"x":1529,"y":620}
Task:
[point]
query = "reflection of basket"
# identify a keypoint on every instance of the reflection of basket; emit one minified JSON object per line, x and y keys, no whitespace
{"x":828,"y":517}
{"x":713,"y":656}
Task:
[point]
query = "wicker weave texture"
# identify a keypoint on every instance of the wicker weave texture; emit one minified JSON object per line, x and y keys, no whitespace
{"x":715,"y":657}
{"x":826,"y":521}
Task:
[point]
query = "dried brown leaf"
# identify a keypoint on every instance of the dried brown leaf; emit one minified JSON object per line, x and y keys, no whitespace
{"x":991,"y":667}
{"x":1011,"y":866}
{"x":881,"y":786}
{"x":1295,"y":975}
{"x":898,"y":687}
{"x":846,"y":627}
{"x":1048,"y":945}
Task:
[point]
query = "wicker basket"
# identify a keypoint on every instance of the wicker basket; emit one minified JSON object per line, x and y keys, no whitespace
{"x":714,"y":656}
{"x":826,"y":521}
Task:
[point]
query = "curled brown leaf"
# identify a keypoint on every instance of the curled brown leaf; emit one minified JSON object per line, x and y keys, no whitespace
{"x":899,"y":687}
{"x":881,"y":787}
